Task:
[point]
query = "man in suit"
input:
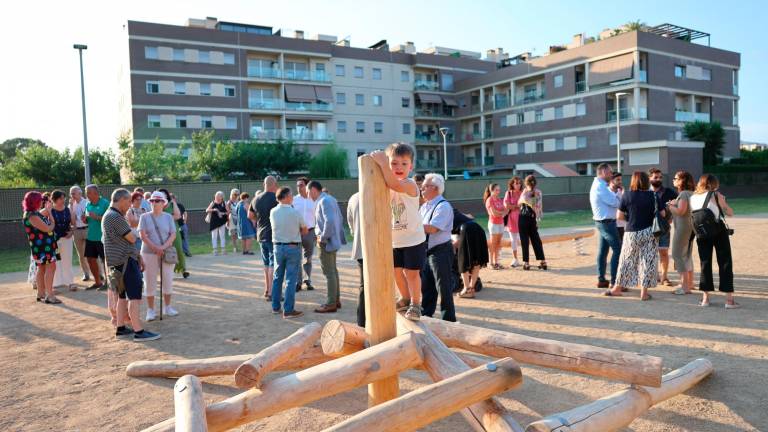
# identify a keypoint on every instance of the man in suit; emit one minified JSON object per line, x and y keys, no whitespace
{"x":330,"y":237}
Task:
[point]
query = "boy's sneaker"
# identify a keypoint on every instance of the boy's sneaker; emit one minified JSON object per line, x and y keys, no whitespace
{"x":151,"y":315}
{"x":293,"y":314}
{"x":413,"y":313}
{"x":170,"y":311}
{"x":402,"y":304}
{"x":122,"y":332}
{"x":145,"y":335}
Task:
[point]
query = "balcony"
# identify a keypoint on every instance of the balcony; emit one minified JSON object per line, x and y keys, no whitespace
{"x":261,"y":134}
{"x":474,"y":109}
{"x":735,"y":89}
{"x":426,"y":85}
{"x":431,"y":113}
{"x":643,"y":76}
{"x":307,"y":135}
{"x":303,"y":75}
{"x":470,"y":136}
{"x":688,"y":117}
{"x":308,"y":106}
{"x":475,"y":161}
{"x":502,"y":101}
{"x":489,"y":160}
{"x":488,"y":106}
{"x":530,"y":98}
{"x":624,"y":114}
{"x":265,"y":104}
{"x":428,"y":164}
{"x":581,"y":86}
{"x":262,"y":72}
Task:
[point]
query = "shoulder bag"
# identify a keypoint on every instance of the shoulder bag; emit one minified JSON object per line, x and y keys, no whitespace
{"x":169,"y":254}
{"x":208,"y":217}
{"x":660,"y":225}
{"x":705,"y":225}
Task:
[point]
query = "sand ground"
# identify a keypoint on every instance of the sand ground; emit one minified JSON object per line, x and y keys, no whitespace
{"x":64,"y":371}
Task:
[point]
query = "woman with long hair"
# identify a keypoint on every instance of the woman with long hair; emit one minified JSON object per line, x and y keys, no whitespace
{"x":245,"y":230}
{"x":638,"y":263}
{"x":514,"y":190}
{"x":494,"y":205}
{"x":64,"y":230}
{"x":531,"y":211}
{"x":707,"y":195}
{"x":682,"y":237}
{"x":42,"y":243}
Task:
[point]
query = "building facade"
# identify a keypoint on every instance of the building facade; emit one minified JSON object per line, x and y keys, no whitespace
{"x":551,"y":114}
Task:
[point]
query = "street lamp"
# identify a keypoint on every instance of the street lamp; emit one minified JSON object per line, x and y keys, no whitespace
{"x":618,"y":131}
{"x":80,"y":48}
{"x":444,"y":133}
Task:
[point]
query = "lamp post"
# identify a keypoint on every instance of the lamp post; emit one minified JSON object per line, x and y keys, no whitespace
{"x":87,"y":160}
{"x":444,"y":133}
{"x":618,"y":131}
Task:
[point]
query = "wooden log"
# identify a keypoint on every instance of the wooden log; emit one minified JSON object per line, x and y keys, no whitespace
{"x":341,"y":338}
{"x":553,"y":238}
{"x":442,"y":363}
{"x":441,"y":399}
{"x":250,"y":373}
{"x":324,"y":380}
{"x":622,"y":408}
{"x":617,"y":365}
{"x":378,"y":267}
{"x":218,"y":365}
{"x":189,"y":405}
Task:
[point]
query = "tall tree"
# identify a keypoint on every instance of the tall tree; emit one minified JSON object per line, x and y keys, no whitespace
{"x":713,"y":136}
{"x":634,"y":25}
{"x":331,"y":162}
{"x":10,"y":147}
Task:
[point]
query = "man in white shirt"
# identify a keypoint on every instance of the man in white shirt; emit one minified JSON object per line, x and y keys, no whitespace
{"x":304,"y":204}
{"x":77,"y":208}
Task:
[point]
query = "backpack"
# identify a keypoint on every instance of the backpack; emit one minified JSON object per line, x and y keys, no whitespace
{"x":705,"y":225}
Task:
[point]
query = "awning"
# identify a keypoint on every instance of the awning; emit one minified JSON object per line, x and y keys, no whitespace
{"x":611,"y":69}
{"x":429,"y":98}
{"x":449,"y":101}
{"x":300,"y":93}
{"x":324,"y":94}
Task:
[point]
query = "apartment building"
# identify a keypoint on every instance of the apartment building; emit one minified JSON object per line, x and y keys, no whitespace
{"x":554,"y":114}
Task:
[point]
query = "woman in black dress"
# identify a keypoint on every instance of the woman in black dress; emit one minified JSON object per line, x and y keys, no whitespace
{"x":472,"y":251}
{"x":217,"y":222}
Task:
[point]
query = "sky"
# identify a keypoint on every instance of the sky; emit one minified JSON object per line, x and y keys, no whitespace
{"x":40,"y":70}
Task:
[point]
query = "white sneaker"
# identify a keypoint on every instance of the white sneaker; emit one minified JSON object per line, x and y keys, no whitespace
{"x":215,"y":252}
{"x":170,"y":311}
{"x":515,"y":263}
{"x":151,"y":315}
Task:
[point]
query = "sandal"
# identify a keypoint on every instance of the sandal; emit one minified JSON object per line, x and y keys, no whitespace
{"x":666,"y":282}
{"x":648,"y":297}
{"x":526,"y":266}
{"x":470,"y":294}
{"x":402,"y":305}
{"x":52,"y":300}
{"x":680,"y":291}
{"x":73,"y":287}
{"x":609,"y":293}
{"x":543,"y":266}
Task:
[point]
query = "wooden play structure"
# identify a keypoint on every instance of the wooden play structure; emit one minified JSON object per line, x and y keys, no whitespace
{"x":468,"y":365}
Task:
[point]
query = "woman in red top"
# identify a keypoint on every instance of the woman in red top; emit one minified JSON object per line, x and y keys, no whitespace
{"x":515,"y":188}
{"x":496,"y":212}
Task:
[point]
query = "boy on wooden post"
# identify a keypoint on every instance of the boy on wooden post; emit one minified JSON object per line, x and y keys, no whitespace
{"x":408,"y":238}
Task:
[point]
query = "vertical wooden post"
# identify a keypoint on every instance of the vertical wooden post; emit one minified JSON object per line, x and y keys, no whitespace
{"x":189,"y":405}
{"x":378,"y":268}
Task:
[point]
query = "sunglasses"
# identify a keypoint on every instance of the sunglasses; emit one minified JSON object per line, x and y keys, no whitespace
{"x":155,"y":201}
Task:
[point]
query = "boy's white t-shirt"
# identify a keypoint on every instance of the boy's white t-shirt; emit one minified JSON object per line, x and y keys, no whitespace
{"x":407,"y":229}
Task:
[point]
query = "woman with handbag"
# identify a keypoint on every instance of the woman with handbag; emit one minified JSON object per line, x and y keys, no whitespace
{"x":707,"y":197}
{"x":158,"y":232}
{"x":638,"y":263}
{"x":531,"y":210}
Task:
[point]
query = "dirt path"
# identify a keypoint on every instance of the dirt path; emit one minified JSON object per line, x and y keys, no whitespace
{"x":63,"y":370}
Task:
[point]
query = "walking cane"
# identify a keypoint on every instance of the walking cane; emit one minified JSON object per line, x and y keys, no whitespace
{"x":161,"y":286}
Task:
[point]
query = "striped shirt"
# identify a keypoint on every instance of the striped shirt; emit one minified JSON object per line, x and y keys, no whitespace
{"x":116,"y":248}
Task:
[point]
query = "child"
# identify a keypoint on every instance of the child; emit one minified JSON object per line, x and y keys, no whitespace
{"x":408,"y":238}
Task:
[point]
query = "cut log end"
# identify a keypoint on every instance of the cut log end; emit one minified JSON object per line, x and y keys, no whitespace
{"x":247,"y":376}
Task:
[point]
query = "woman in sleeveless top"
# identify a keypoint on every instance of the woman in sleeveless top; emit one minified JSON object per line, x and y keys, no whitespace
{"x":531,"y":210}
{"x":42,"y":243}
{"x":63,"y":228}
{"x":682,"y":236}
{"x":514,"y":190}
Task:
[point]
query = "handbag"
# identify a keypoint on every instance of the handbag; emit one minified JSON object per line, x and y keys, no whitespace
{"x":660,"y":225}
{"x":208,"y":218}
{"x":169,"y":254}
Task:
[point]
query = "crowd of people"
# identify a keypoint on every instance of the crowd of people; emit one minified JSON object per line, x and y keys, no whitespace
{"x":129,"y":242}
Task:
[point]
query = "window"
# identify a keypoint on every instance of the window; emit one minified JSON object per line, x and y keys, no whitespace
{"x":539,"y":115}
{"x":679,"y":71}
{"x":559,"y":144}
{"x":559,"y":112}
{"x":360,"y":127}
{"x":581,"y":109}
{"x":581,"y":142}
{"x":150,"y":52}
{"x":612,"y":138}
{"x":341,"y":98}
{"x":205,"y":89}
{"x":446,"y":82}
{"x":406,"y":128}
{"x":229,"y":91}
{"x":203,"y":56}
{"x":539,"y":146}
{"x":376,"y":73}
{"x":340,"y":70}
{"x":405,"y":76}
{"x":153,"y":87}
{"x":520,"y":148}
{"x":520,"y":118}
{"x":153,"y":121}
{"x":558,"y":81}
{"x":180,"y":88}
{"x":376,"y":100}
{"x":503,"y":123}
{"x":178,"y":54}
{"x":378,"y":127}
{"x":229,"y":58}
{"x":231,"y":122}
{"x":405,"y":102}
{"x":358,"y":71}
{"x":706,"y":74}
{"x":341,"y":126}
{"x":359,"y":99}
{"x":206,"y":122}
{"x":181,"y":121}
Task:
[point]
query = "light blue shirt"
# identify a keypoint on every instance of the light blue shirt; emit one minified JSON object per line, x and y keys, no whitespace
{"x":328,"y":223}
{"x":604,"y":202}
{"x":441,"y":218}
